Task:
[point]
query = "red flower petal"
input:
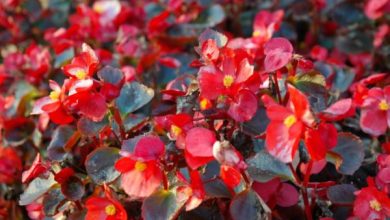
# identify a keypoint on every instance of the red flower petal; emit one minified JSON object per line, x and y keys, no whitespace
{"x":199,"y":142}
{"x":278,"y":53}
{"x":281,"y":141}
{"x":60,"y":116}
{"x":211,"y":83}
{"x":149,"y":148}
{"x":124,"y":164}
{"x":36,"y":169}
{"x":340,"y":110}
{"x":300,"y":105}
{"x":196,"y":162}
{"x":231,"y":176}
{"x":319,"y":141}
{"x":143,"y":180}
{"x":244,"y":107}
{"x":93,"y":106}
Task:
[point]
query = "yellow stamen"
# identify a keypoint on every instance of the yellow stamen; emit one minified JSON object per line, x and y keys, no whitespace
{"x":290,"y":121}
{"x":383,"y":105}
{"x":80,"y":74}
{"x":98,"y":8}
{"x":374,"y":204}
{"x":140,"y":166}
{"x":54,"y":95}
{"x":204,"y":104}
{"x":175,"y":130}
{"x":256,"y":33}
{"x":228,"y":81}
{"x":110,"y":209}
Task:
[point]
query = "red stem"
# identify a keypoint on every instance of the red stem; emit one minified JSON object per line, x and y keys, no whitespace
{"x":118,"y":119}
{"x":275,"y":75}
{"x":165,"y":181}
{"x":296,"y":177}
{"x":305,"y":196}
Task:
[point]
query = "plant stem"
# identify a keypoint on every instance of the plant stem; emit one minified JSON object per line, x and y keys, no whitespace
{"x":275,"y":75}
{"x":118,"y":120}
{"x":165,"y":181}
{"x":306,"y":201}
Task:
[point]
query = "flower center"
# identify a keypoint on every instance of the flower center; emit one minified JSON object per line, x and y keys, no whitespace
{"x":110,"y":209}
{"x":256,"y":33}
{"x":228,"y":81}
{"x":140,"y":166}
{"x":290,"y":121}
{"x":81,"y":74}
{"x":204,"y":104}
{"x":383,"y":105}
{"x":374,"y":204}
{"x":54,"y":95}
{"x":175,"y":130}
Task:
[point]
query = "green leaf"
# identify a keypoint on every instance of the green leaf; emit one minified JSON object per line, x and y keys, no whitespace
{"x":249,"y":206}
{"x":263,"y":167}
{"x":354,"y":42}
{"x":24,"y":93}
{"x":219,"y":38}
{"x":133,"y":96}
{"x":258,"y":124}
{"x":90,"y":128}
{"x":55,"y":150}
{"x":343,"y":79}
{"x":100,"y":165}
{"x":212,"y":16}
{"x":111,"y":75}
{"x":64,"y":57}
{"x":216,"y":188}
{"x":36,"y":189}
{"x":312,"y":76}
{"x":316,"y":94}
{"x":161,"y":205}
{"x":19,"y":131}
{"x":342,"y":194}
{"x":52,"y":201}
{"x":73,"y":188}
{"x":351,"y":150}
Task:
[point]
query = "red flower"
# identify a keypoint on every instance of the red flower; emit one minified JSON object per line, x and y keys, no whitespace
{"x":232,"y":84}
{"x":227,"y":155}
{"x":209,"y":51}
{"x":265,"y":24}
{"x":230,"y":176}
{"x":10,"y":165}
{"x":375,"y":112}
{"x":81,"y":70}
{"x":177,"y":125}
{"x":276,"y":192}
{"x":287,"y":124}
{"x":141,"y":173}
{"x":199,"y":147}
{"x":193,"y":190}
{"x":320,"y":140}
{"x":104,"y":208}
{"x":371,"y":204}
{"x":53,"y":105}
{"x":376,"y":8}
